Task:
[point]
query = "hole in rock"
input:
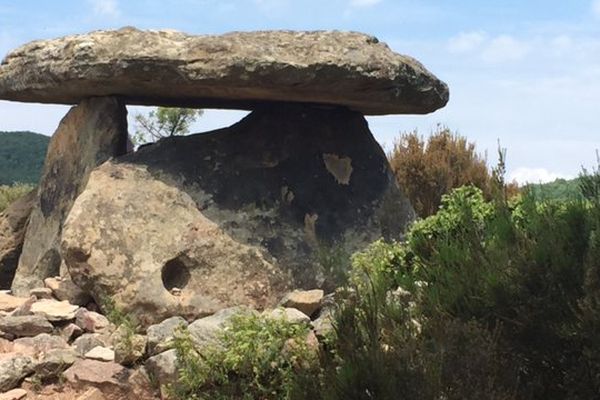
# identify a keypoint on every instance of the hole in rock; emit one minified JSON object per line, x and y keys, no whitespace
{"x":144,"y":128}
{"x":175,"y":274}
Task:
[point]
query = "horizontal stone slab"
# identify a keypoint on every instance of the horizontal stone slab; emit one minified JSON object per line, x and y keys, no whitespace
{"x":236,"y":70}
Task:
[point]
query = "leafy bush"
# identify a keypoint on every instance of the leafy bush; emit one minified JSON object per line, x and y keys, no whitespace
{"x":428,"y":170}
{"x":257,"y":358}
{"x":8,"y":194}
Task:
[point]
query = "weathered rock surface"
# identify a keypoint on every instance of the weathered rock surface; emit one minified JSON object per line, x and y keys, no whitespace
{"x":163,"y":367}
{"x":88,"y":341}
{"x":235,"y":70}
{"x":25,"y":325}
{"x":290,"y":315}
{"x":54,"y":310}
{"x":13,"y":222}
{"x":88,"y":135}
{"x":63,"y":288}
{"x":15,"y":394}
{"x":107,"y":376}
{"x":53,"y":363}
{"x":129,"y":349}
{"x":13,"y":369}
{"x":101,"y":354}
{"x":39,"y":344}
{"x":160,"y":336}
{"x":307,"y":301}
{"x":234,"y":216}
{"x":91,"y":321}
{"x":9,"y":303}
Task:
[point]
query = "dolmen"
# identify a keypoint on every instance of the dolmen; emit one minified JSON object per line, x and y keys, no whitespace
{"x":240,"y":215}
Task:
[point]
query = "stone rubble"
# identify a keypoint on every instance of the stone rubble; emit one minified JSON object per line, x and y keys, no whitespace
{"x":94,"y":357}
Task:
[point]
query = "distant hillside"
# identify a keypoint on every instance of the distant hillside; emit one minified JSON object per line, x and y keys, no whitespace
{"x":560,"y":189}
{"x":21,"y":156}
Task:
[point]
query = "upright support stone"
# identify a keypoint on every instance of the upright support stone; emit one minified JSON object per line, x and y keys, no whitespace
{"x":91,"y":133}
{"x":13,"y":223}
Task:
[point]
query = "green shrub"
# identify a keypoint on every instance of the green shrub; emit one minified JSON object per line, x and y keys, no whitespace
{"x":497,"y":299}
{"x":257,"y":358}
{"x":8,"y":194}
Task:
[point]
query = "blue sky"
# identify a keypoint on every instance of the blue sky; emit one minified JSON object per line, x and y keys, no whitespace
{"x":526,"y":73}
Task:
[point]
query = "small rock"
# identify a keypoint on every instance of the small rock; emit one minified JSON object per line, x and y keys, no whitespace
{"x":6,"y":346}
{"x":91,"y":321}
{"x":88,"y":341}
{"x":54,"y":310}
{"x":65,"y":289}
{"x":13,"y":369}
{"x":92,"y":394}
{"x":291,"y":315}
{"x":101,"y":354}
{"x":26,"y":325}
{"x":39,"y":345}
{"x":70,"y":332}
{"x":204,"y":331}
{"x":129,"y":348}
{"x":54,"y":363}
{"x":41,"y":293}
{"x":106,"y":376}
{"x":323,"y":325}
{"x":307,"y":301}
{"x":163,"y":368}
{"x":15,"y":394}
{"x":160,"y":336}
{"x":9,"y":302}
{"x":140,"y":384}
{"x":25,"y":308}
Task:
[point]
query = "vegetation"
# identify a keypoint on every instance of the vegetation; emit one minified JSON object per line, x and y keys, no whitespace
{"x":488,"y":298}
{"x":164,"y":122}
{"x":22,"y":157}
{"x":8,"y":194}
{"x":428,"y":170}
{"x":559,"y":189}
{"x":257,"y":357}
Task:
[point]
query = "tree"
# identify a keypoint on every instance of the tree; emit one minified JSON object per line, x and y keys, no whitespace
{"x":164,"y":122}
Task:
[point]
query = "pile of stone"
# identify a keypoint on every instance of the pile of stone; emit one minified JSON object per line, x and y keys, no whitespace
{"x":46,"y":340}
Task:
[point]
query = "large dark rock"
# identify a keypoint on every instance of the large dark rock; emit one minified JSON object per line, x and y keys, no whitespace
{"x":235,"y":70}
{"x":233,"y":216}
{"x":13,"y":222}
{"x":88,"y":135}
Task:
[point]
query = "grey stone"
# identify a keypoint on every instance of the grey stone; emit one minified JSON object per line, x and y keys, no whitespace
{"x":13,"y":369}
{"x":235,"y":70}
{"x":13,"y":223}
{"x":307,"y":301}
{"x":88,"y":135}
{"x":163,"y":368}
{"x":290,"y":315}
{"x":160,"y":335}
{"x":53,"y":363}
{"x":88,"y":341}
{"x":25,"y":325}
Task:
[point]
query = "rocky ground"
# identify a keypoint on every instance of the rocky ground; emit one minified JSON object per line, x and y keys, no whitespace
{"x":52,"y":349}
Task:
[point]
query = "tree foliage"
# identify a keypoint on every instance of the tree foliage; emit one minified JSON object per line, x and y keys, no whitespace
{"x":22,"y":157}
{"x":164,"y":122}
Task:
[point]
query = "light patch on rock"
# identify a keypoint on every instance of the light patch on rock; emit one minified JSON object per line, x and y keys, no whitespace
{"x":339,"y":167}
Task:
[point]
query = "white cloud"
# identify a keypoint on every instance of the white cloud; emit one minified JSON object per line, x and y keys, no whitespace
{"x":504,"y":48}
{"x":466,"y":42}
{"x":107,"y":8}
{"x":364,"y":3}
{"x":596,"y":8}
{"x":534,"y":175}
